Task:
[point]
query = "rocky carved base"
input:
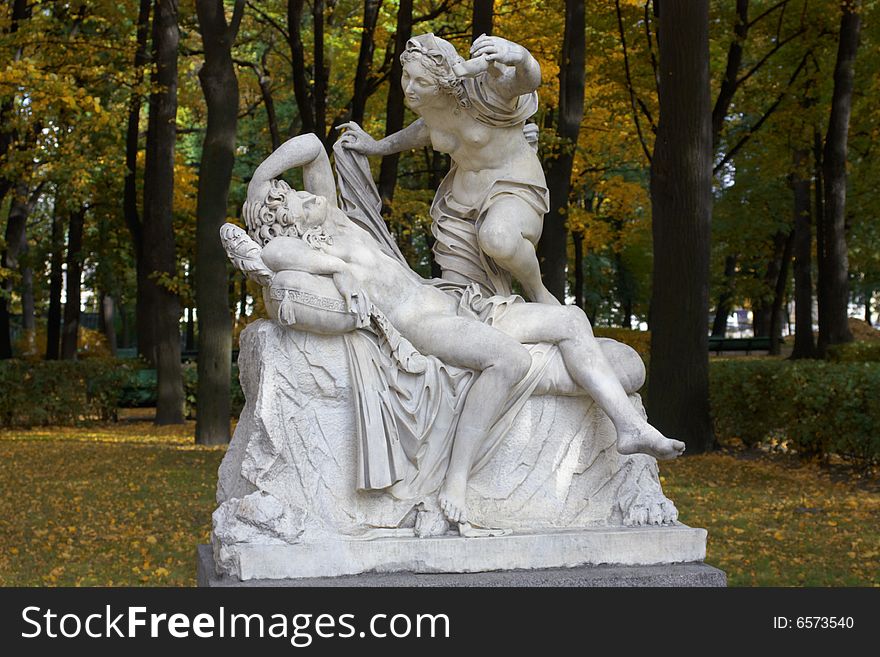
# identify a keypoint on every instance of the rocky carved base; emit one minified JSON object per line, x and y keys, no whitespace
{"x":288,"y":483}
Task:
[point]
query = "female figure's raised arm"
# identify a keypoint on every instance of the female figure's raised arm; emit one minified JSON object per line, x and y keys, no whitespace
{"x":415,"y":135}
{"x":304,"y":151}
{"x":521,"y":73}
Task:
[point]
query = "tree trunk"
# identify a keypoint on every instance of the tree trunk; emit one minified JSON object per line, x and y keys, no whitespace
{"x":394,"y":108}
{"x":190,"y":338}
{"x":158,"y":233}
{"x":775,"y":328}
{"x":143,"y":306}
{"x":730,"y":83}
{"x":833,"y":278}
{"x":220,"y":86}
{"x":761,"y":320}
{"x":804,"y":345}
{"x":821,"y":260}
{"x":73,"y":285}
{"x":125,"y":340}
{"x":726,"y":92}
{"x":681,"y":197}
{"x":624,"y":290}
{"x":365,"y":60}
{"x":242,"y":298}
{"x":56,"y":282}
{"x":483,"y":14}
{"x":578,"y":239}
{"x":268,"y":101}
{"x":762,"y":311}
{"x":552,"y":249}
{"x":19,"y":10}
{"x":16,"y":247}
{"x":725,"y":299}
{"x":298,"y":60}
{"x":321,"y":74}
{"x":28,"y":311}
{"x":108,"y":321}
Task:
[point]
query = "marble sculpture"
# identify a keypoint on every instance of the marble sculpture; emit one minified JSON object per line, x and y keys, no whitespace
{"x":381,"y":404}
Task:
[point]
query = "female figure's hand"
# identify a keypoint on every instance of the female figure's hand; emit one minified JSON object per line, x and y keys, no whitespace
{"x":357,"y":139}
{"x":497,"y":49}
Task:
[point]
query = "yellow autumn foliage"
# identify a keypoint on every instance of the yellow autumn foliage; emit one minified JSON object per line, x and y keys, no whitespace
{"x":126,"y":504}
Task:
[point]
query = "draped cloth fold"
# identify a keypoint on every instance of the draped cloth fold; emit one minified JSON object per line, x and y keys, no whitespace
{"x":360,"y":199}
{"x":456,"y":227}
{"x":491,"y":109}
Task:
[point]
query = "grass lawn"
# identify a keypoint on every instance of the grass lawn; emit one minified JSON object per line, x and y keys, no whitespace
{"x":779,"y":522}
{"x":125,"y":504}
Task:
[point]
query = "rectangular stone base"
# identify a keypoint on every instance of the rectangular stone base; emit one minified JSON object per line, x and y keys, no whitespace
{"x":642,"y":546}
{"x":678,"y":574}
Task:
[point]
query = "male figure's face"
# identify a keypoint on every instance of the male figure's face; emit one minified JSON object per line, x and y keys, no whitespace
{"x":315,"y":211}
{"x":309,"y":211}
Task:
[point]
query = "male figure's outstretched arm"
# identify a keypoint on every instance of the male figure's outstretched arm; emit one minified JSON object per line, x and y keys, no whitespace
{"x":284,"y":253}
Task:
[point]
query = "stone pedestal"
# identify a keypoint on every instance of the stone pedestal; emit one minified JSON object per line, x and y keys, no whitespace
{"x":693,"y":574}
{"x":454,"y":554}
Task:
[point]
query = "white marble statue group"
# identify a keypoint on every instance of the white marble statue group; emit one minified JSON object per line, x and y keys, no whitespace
{"x":381,"y":401}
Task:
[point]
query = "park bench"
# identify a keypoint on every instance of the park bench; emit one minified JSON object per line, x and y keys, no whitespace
{"x":747,"y":345}
{"x":140,"y":388}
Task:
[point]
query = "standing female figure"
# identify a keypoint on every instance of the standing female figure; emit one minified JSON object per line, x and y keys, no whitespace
{"x":488,"y":212}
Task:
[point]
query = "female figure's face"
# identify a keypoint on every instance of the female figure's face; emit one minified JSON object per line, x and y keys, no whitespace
{"x":419,"y":87}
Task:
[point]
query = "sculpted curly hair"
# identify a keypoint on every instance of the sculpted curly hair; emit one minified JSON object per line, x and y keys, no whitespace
{"x":270,"y":217}
{"x":279,"y":214}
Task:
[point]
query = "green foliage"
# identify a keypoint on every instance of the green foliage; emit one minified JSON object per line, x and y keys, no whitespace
{"x":855,"y":352}
{"x":59,"y":392}
{"x":638,"y":340}
{"x":819,"y":408}
{"x":191,"y":384}
{"x":139,"y":389}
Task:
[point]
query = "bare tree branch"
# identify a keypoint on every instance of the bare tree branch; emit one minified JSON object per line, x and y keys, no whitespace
{"x":650,"y":38}
{"x":766,"y":13}
{"x":629,"y":84}
{"x":729,"y":83}
{"x":767,"y":114}
{"x":769,"y":54}
{"x":235,"y":23}
{"x":268,"y":19}
{"x":779,"y":22}
{"x":440,"y":9}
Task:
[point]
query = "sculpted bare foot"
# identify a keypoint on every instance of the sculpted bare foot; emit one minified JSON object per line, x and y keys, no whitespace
{"x":452,"y":498}
{"x":467,"y":530}
{"x":649,"y":441}
{"x":430,"y":521}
